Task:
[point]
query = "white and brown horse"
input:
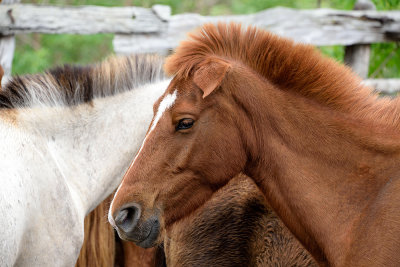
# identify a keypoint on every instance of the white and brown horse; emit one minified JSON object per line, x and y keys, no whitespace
{"x":66,"y":139}
{"x":323,"y":149}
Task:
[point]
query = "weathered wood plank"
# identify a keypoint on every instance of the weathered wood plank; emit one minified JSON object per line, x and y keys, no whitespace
{"x":318,"y":27}
{"x":7,"y":47}
{"x":357,"y":56}
{"x":385,"y":86}
{"x":21,"y":18}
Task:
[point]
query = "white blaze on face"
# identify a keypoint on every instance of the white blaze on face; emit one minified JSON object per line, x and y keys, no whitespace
{"x":165,"y":104}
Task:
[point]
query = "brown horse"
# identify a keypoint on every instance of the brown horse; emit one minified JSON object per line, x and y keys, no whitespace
{"x":204,"y":238}
{"x":235,"y":227}
{"x":323,"y":149}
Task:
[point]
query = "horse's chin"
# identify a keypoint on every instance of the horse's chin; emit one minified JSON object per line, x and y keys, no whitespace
{"x":152,"y":237}
{"x":145,"y":235}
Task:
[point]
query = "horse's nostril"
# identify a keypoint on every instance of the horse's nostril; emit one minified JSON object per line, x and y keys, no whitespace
{"x":127,"y":218}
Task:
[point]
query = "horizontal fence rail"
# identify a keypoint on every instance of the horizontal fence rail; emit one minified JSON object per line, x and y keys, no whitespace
{"x":384,"y":86}
{"x":155,"y":30}
{"x":23,"y":18}
{"x":319,"y":27}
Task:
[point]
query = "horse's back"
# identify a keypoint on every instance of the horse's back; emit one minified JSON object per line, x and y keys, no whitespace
{"x":12,"y":202}
{"x":11,"y":225}
{"x":31,"y":229}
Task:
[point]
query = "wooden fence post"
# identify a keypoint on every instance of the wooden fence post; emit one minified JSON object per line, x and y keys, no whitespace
{"x":7,"y":44}
{"x":357,"y":56}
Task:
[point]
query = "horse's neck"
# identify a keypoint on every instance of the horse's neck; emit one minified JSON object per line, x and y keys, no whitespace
{"x":319,"y":169}
{"x":92,"y":144}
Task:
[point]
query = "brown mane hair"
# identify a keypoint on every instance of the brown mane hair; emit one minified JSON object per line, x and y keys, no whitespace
{"x":98,"y":248}
{"x":72,"y":84}
{"x":289,"y":66}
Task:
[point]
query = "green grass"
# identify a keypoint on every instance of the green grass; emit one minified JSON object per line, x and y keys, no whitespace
{"x":52,"y":50}
{"x":35,"y":53}
{"x":335,"y":51}
{"x":385,"y":61}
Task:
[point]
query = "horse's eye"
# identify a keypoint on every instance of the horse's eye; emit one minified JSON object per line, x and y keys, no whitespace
{"x":183,"y":124}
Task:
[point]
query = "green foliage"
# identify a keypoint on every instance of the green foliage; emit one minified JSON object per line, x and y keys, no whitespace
{"x":387,"y":4}
{"x":35,"y":53}
{"x":335,"y":51}
{"x":385,"y":61}
{"x":51,"y":50}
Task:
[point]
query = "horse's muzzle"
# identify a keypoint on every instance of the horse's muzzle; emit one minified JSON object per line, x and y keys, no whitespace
{"x":129,"y":226}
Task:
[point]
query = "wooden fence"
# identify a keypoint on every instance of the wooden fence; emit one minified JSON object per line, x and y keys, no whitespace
{"x":143,"y":30}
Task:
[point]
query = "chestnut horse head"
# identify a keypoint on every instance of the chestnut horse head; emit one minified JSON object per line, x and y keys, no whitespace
{"x":246,"y":100}
{"x":200,"y":135}
{"x":187,"y":118}
{"x":176,"y":182}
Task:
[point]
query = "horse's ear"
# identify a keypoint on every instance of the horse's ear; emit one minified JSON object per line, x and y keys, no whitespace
{"x":210,"y":75}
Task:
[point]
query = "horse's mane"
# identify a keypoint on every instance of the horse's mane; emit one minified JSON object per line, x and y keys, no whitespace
{"x":289,"y":66}
{"x":72,"y":85}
